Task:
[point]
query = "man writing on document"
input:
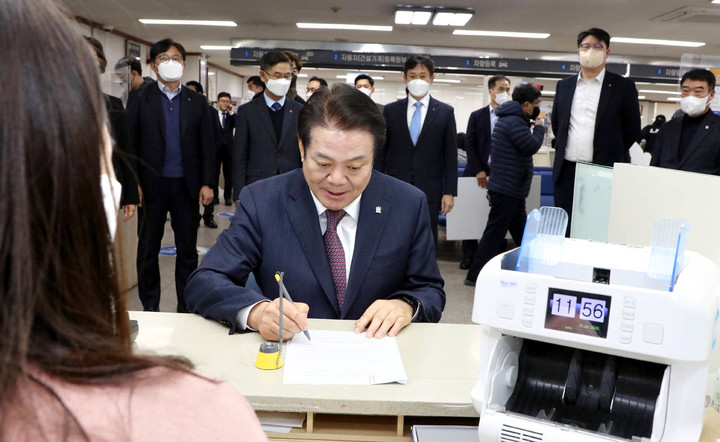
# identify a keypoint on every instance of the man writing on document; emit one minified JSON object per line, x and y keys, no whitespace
{"x":353,"y":243}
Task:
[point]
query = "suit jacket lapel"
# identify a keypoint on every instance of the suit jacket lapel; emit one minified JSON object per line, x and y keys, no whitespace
{"x":605,"y":94}
{"x":429,"y":117}
{"x":301,"y":210}
{"x":371,"y":224}
{"x":155,"y":104}
{"x":700,"y":134}
{"x":288,"y":118}
{"x":185,"y":100}
{"x":263,"y":117}
{"x":568,"y":99}
{"x":402,"y":118}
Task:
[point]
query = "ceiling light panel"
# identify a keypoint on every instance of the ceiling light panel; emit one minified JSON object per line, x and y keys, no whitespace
{"x":153,"y":21}
{"x":650,"y":41}
{"x":501,"y":34}
{"x":340,"y":26}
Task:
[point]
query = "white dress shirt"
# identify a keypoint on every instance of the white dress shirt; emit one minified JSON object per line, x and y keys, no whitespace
{"x":346,"y":230}
{"x":269,"y":101}
{"x":423,"y":109}
{"x":581,"y":133}
{"x":167,"y":92}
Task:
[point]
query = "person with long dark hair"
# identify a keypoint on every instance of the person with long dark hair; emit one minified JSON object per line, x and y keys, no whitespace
{"x":67,"y":369}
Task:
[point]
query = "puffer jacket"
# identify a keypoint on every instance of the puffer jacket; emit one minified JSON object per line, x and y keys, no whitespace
{"x":513,"y":145}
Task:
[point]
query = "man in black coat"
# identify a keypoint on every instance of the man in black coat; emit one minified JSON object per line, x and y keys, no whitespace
{"x":225,"y":129}
{"x":513,"y":145}
{"x":691,"y":142}
{"x":172,"y":138}
{"x":595,"y":117}
{"x":421,"y":145}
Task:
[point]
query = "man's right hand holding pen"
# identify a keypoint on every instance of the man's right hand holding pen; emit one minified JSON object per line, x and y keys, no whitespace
{"x":265,"y":318}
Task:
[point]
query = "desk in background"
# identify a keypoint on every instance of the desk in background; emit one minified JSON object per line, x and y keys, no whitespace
{"x":441,"y":361}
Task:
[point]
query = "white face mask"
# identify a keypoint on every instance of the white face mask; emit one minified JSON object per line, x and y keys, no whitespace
{"x":171,"y":70}
{"x":418,"y":88}
{"x":308,"y":95}
{"x":365,"y":91}
{"x":278,"y":87}
{"x":249,"y":94}
{"x":111,"y":190}
{"x":693,"y":105}
{"x":591,"y":58}
{"x":501,"y":98}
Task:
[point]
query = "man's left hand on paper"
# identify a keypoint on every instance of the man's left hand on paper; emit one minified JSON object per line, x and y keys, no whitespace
{"x":385,"y":316}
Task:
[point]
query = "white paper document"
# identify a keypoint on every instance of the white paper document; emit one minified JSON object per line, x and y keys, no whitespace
{"x":342,"y":358}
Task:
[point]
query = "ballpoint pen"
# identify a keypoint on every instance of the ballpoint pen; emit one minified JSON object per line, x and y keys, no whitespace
{"x":283,"y":291}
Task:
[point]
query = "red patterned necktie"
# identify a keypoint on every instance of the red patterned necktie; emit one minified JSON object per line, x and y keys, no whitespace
{"x":336,"y":254}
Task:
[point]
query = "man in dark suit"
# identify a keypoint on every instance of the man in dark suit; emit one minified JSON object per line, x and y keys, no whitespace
{"x":421,"y":146}
{"x":691,"y":142}
{"x":353,"y":243}
{"x":366,"y":84}
{"x":266,"y":128}
{"x":172,"y":138}
{"x":224,"y":129}
{"x":477,"y":145}
{"x":595,"y":117}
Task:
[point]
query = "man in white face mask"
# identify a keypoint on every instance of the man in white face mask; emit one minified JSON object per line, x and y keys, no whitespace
{"x":366,"y":84}
{"x":691,"y":142}
{"x":173,"y":139}
{"x":595,"y":117}
{"x":477,"y":145}
{"x":266,"y":128}
{"x":421,"y":144}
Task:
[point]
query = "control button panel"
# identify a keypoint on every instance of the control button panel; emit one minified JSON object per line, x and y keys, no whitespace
{"x":653,"y":333}
{"x":505,"y":309}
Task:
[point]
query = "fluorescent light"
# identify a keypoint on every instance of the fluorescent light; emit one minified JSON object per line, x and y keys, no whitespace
{"x":641,"y":97}
{"x":445,"y":80}
{"x":152,"y":21}
{"x":211,"y":73}
{"x":500,"y":34}
{"x":343,"y":26}
{"x":302,"y":75}
{"x":653,"y":91}
{"x":341,"y":77}
{"x":673,"y":99}
{"x":216,"y":48}
{"x":650,"y":41}
{"x":410,"y":16}
{"x":547,"y":92}
{"x":452,"y":18}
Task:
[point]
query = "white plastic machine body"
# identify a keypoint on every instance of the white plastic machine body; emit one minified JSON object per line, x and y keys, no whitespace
{"x":623,"y":314}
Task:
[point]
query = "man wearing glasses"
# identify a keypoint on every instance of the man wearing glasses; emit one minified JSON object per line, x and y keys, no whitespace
{"x":266,"y":128}
{"x":595,"y":116}
{"x":172,"y":137}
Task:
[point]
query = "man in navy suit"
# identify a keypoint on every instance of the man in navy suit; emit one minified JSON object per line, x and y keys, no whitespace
{"x":266,"y":128}
{"x":353,"y":243}
{"x":691,"y":142}
{"x":595,"y":117}
{"x":477,"y":145}
{"x":421,"y":144}
{"x":225,"y":130}
{"x":173,"y":139}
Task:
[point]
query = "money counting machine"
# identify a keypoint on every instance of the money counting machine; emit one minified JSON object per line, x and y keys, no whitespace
{"x":590,"y":341}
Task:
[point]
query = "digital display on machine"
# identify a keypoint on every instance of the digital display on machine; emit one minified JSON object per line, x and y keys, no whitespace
{"x":578,"y":312}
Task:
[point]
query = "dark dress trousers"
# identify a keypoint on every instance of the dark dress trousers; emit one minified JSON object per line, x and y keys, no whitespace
{"x":223,"y":156}
{"x":258,"y":152}
{"x":702,"y":155}
{"x":431,"y":165}
{"x":276,"y":228}
{"x":161,"y":195}
{"x":477,"y":145}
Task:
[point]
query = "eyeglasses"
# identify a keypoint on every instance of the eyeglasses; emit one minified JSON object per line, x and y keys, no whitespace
{"x":586,"y":46}
{"x":165,"y":59}
{"x":278,"y":76}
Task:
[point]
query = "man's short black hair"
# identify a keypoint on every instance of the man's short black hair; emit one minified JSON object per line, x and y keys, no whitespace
{"x":272,"y":58}
{"x":415,"y":60}
{"x":198,"y":87}
{"x":319,"y":80}
{"x":365,"y":77}
{"x":700,"y":75}
{"x":598,"y":33}
{"x":526,"y":92}
{"x":494,"y":79}
{"x":255,"y":79}
{"x":342,"y":107}
{"x":133,"y":62}
{"x":224,"y":94}
{"x":163,"y":45}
